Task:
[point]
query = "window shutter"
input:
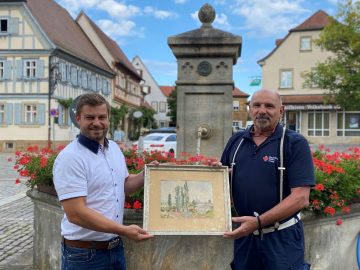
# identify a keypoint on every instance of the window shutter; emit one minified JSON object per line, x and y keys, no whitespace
{"x":19,"y":69}
{"x":41,"y":114}
{"x":79,"y":80}
{"x":14,"y":26}
{"x":18,"y":113}
{"x":93,"y":82}
{"x":8,"y":113}
{"x":63,"y":71}
{"x":40,"y":69}
{"x":7,"y":70}
{"x":68,"y":73}
{"x":60,"y":117}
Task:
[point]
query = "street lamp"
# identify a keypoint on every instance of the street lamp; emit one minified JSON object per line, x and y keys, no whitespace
{"x":54,"y":78}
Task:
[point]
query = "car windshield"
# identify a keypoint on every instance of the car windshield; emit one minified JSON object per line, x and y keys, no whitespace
{"x":153,"y":138}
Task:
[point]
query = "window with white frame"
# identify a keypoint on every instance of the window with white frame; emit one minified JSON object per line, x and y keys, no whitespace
{"x":30,"y":114}
{"x":30,"y":68}
{"x":305,"y":43}
{"x":122,"y":82}
{"x":348,"y":123}
{"x":2,"y":114}
{"x":286,"y":78}
{"x":162,"y":106}
{"x":236,"y":105}
{"x":318,"y":123}
{"x":4,"y":26}
{"x":1,"y":69}
{"x":154,"y":105}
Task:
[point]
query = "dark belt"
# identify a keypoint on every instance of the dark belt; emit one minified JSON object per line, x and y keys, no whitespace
{"x":113,"y":243}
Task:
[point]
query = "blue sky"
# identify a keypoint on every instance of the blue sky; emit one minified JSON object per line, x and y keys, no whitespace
{"x":141,"y":27}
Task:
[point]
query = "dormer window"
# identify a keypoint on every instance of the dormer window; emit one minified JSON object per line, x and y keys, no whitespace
{"x":305,"y":44}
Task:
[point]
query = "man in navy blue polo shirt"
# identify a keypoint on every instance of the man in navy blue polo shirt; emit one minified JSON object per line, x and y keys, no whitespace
{"x":270,"y":234}
{"x":91,"y":180}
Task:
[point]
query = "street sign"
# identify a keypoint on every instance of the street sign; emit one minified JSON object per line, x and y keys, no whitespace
{"x":54,"y":112}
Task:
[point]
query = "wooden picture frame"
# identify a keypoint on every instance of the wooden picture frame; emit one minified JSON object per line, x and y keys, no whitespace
{"x":186,"y":200}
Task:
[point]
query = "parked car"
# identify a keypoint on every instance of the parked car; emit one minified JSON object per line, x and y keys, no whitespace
{"x":163,"y":130}
{"x":159,"y":142}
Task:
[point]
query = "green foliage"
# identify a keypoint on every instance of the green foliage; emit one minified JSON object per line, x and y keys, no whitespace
{"x":36,"y":165}
{"x":171,"y":100}
{"x":337,"y":181}
{"x":147,"y":120}
{"x":340,"y":73}
{"x":66,"y":103}
{"x":116,"y":115}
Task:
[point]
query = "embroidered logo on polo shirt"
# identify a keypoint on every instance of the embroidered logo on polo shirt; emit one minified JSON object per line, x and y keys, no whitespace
{"x":269,"y":159}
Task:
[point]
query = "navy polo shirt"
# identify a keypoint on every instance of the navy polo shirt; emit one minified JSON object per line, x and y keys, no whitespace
{"x":255,"y":183}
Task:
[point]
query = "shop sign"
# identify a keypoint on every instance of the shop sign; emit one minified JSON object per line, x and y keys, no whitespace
{"x":291,"y":107}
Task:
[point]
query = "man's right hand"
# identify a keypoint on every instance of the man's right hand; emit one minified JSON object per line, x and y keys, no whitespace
{"x":136,"y":233}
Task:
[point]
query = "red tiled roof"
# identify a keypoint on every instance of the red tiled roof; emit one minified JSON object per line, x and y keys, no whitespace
{"x":167,"y":90}
{"x":305,"y":99}
{"x":317,"y":21}
{"x":278,"y":41}
{"x":64,"y":32}
{"x":238,"y":93}
{"x":113,"y":48}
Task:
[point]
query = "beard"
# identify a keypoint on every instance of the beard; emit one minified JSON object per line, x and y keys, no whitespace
{"x":263,"y":123}
{"x":96,"y":134}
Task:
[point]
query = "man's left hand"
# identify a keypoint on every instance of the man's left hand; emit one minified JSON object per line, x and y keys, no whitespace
{"x":248,"y":224}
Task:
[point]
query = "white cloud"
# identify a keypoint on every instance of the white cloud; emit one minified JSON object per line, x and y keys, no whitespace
{"x":160,"y":14}
{"x":118,"y":10}
{"x":74,"y":6}
{"x":118,"y":29}
{"x":221,"y":20}
{"x":268,"y":18}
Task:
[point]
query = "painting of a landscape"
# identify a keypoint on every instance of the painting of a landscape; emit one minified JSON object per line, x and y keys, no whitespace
{"x":186,"y":199}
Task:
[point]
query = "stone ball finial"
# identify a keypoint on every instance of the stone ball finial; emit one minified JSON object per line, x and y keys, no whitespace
{"x":207,"y":15}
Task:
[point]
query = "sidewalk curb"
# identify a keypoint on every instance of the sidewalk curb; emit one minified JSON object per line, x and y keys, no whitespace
{"x":12,"y":198}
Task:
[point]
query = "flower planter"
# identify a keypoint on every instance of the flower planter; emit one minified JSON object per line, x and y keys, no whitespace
{"x":328,"y":246}
{"x":47,"y":189}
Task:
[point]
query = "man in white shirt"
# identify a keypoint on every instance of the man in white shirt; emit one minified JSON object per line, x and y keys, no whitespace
{"x":91,"y":179}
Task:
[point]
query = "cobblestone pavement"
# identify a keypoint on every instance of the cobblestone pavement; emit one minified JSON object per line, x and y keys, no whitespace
{"x":16,"y":215}
{"x":16,"y":230}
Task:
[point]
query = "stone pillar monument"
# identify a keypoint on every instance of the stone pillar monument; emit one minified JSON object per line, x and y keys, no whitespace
{"x":205,"y":58}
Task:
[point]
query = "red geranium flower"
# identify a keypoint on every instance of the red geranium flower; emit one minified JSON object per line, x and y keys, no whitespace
{"x":319,"y":187}
{"x":339,"y":221}
{"x":137,"y":205}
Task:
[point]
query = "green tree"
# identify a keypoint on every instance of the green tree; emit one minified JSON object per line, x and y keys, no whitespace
{"x":147,"y":120}
{"x":340,"y":73}
{"x":116,"y":115}
{"x":171,"y":100}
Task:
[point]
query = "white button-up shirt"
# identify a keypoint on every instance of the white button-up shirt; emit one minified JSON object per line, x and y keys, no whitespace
{"x":85,"y":169}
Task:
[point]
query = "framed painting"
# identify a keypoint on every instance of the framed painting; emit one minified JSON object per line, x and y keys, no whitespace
{"x":186,"y":200}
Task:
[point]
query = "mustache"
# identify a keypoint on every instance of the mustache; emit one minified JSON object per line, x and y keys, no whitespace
{"x":262,"y":118}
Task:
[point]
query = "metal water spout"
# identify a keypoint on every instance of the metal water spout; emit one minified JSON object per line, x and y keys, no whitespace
{"x":203,"y":132}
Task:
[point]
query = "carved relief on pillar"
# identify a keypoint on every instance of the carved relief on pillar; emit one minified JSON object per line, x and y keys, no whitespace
{"x":222,"y":68}
{"x":187,"y":68}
